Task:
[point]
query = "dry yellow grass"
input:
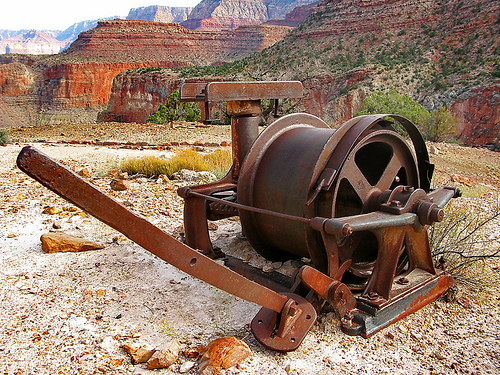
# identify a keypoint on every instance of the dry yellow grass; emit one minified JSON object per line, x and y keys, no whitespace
{"x":217,"y":162}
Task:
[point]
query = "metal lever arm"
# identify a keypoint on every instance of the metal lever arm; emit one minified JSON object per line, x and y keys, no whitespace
{"x":79,"y":192}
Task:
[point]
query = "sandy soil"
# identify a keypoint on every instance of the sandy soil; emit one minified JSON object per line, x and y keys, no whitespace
{"x":70,"y":312}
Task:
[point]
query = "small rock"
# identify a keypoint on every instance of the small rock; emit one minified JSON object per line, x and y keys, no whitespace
{"x":119,"y":185}
{"x":212,"y":226}
{"x":123,"y":176}
{"x":138,"y":355}
{"x":207,"y":176}
{"x":114,"y":173}
{"x":57,"y":224}
{"x":141,"y":180}
{"x":462,"y":180}
{"x":166,"y":357}
{"x":55,"y":242}
{"x":186,"y":366}
{"x":51,"y":210}
{"x":186,"y":175}
{"x":433,"y":150}
{"x":223,"y":353}
{"x":194,"y":351}
{"x":85,"y":173}
{"x":162,"y":179}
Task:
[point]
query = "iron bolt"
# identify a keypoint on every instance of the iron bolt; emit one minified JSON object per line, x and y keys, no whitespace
{"x":403,"y":281}
{"x":372,"y":295}
{"x":395,"y":203}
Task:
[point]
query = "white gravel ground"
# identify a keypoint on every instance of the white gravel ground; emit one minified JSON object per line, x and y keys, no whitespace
{"x":69,"y":313}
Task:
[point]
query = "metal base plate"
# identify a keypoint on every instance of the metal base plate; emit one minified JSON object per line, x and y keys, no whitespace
{"x":368,"y":320}
{"x":264,"y":326}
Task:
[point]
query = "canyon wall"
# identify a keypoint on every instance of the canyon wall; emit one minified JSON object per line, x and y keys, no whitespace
{"x":478,"y":114}
{"x":15,"y":79}
{"x":158,"y":13}
{"x":135,"y":96}
{"x":144,"y":41}
{"x":82,"y":75}
{"x":231,"y":14}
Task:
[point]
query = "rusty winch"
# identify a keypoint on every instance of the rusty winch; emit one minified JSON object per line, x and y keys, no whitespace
{"x":355,"y":201}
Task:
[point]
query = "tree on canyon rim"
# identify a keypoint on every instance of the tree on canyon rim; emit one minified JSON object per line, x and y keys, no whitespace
{"x":174,"y":110}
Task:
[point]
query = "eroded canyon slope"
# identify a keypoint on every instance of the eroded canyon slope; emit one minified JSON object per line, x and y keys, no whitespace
{"x":440,"y":53}
{"x":443,"y":53}
{"x":81,"y":76}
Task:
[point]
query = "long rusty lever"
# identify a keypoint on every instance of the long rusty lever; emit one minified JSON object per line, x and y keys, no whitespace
{"x":58,"y":178}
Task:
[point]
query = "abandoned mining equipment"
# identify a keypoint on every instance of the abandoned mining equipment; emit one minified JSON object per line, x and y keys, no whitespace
{"x":355,"y":201}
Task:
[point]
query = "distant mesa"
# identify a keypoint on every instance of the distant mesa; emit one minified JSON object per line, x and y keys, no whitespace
{"x":32,"y":42}
{"x":231,"y":14}
{"x":158,"y":13}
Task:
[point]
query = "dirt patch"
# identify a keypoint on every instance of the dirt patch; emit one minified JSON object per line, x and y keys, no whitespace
{"x":71,"y":312}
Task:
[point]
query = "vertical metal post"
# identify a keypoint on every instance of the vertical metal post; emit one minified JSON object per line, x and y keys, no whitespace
{"x":244,"y":129}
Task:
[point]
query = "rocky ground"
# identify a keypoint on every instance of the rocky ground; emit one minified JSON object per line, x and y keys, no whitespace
{"x":71,"y":312}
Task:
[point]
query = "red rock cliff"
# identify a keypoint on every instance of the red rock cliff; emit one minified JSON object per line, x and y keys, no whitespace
{"x":15,"y":79}
{"x":478,"y":112}
{"x":82,"y":76}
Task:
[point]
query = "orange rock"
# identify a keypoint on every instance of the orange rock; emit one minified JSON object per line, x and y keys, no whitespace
{"x":223,"y":353}
{"x":55,"y":242}
{"x":194,"y":351}
{"x":138,"y":355}
{"x":118,"y":184}
{"x":51,"y":210}
{"x":166,"y":357}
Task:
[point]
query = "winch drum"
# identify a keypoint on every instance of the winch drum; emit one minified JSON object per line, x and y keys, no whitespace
{"x":282,"y":171}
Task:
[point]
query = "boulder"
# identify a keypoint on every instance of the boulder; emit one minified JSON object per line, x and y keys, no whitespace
{"x":223,"y":353}
{"x":55,"y":242}
{"x":166,"y":357}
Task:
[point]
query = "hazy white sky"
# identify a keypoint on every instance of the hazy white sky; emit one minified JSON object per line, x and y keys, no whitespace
{"x":61,"y":14}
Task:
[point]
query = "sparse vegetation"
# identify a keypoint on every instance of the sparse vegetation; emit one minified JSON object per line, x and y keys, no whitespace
{"x":441,"y":124}
{"x":174,"y":110}
{"x":217,"y":162}
{"x":436,"y":126}
{"x":4,"y":136}
{"x":462,"y":240}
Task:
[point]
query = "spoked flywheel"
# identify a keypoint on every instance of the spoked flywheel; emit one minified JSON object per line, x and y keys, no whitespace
{"x":380,"y":160}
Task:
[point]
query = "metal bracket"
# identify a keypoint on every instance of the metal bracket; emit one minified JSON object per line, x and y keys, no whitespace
{"x":284,"y":332}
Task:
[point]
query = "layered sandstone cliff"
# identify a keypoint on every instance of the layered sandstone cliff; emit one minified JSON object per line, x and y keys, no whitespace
{"x":144,"y":41}
{"x":16,"y":79}
{"x":82,"y":75}
{"x":158,"y":13}
{"x":230,"y":14}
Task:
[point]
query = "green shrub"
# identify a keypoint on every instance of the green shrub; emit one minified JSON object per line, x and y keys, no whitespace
{"x":4,"y":136}
{"x":439,"y":126}
{"x":390,"y":102}
{"x":174,"y":110}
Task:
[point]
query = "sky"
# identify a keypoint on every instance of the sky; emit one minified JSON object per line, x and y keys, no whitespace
{"x":61,"y":14}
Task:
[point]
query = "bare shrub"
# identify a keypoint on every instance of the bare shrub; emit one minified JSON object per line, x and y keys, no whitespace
{"x":468,"y":235}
